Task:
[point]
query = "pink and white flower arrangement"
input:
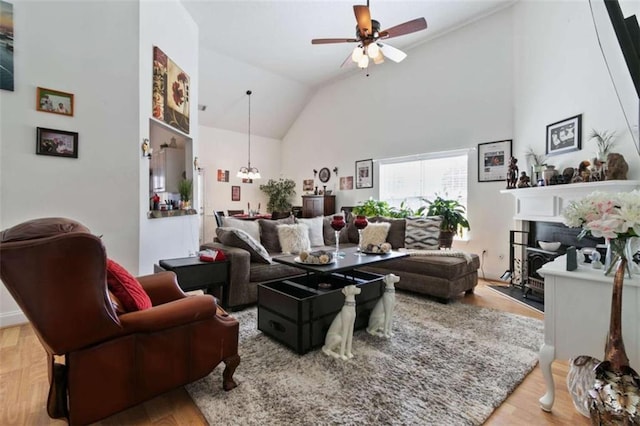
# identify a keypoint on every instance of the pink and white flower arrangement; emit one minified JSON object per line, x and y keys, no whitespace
{"x":616,"y":217}
{"x":612,"y":216}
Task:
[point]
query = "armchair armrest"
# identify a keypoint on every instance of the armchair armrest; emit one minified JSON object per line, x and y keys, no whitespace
{"x":162,"y":287}
{"x":172,"y":314}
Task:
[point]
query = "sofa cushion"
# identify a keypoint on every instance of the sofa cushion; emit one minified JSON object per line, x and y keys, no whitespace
{"x":375,"y":233}
{"x":251,"y":227}
{"x":238,"y":238}
{"x":126,"y":288}
{"x":395,"y":237}
{"x":422,"y":233}
{"x":330,"y":234}
{"x":444,"y":267}
{"x":269,"y":233}
{"x":294,"y":238}
{"x":275,"y":271}
{"x":314,"y":224}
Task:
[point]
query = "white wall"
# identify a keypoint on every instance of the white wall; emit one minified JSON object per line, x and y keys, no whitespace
{"x":97,"y":63}
{"x":560,"y":73}
{"x":167,"y":25}
{"x":226,"y":150}
{"x":76,"y":47}
{"x":454,"y":92}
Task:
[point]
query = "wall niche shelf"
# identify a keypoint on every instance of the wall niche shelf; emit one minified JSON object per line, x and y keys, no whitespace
{"x":157,"y":214}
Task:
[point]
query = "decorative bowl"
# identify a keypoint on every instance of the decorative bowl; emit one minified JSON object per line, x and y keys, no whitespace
{"x":549,"y":245}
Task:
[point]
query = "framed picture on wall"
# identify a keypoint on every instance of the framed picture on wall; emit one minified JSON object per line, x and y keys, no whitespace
{"x":493,"y":160}
{"x":564,"y":135}
{"x":346,"y":183}
{"x":235,"y":193}
{"x":54,"y":101}
{"x":364,"y":174}
{"x":307,"y":185}
{"x":58,"y":143}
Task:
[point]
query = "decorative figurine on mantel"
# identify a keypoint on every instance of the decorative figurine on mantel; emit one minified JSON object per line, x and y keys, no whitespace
{"x":512,"y":173}
{"x":617,"y":167}
{"x":524,"y":181}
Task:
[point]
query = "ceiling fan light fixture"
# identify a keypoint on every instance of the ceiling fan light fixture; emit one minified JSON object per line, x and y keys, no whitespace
{"x":357,"y":54}
{"x":363,"y":62}
{"x":373,"y":50}
{"x":379,"y":59}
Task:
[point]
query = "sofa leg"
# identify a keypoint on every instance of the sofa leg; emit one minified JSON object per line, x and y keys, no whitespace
{"x":231,"y":364}
{"x":470,"y":291}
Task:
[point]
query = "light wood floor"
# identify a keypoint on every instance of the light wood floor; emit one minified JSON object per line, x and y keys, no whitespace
{"x":23,"y":385}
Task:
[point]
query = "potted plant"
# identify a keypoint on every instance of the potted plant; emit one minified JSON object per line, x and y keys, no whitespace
{"x":184,"y":188}
{"x":453,"y":220}
{"x":371,"y":208}
{"x":279,"y":192}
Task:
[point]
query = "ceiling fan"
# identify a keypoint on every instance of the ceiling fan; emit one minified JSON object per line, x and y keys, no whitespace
{"x":368,"y":36}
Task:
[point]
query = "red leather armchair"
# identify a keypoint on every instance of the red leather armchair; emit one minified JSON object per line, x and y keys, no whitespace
{"x":101,"y":363}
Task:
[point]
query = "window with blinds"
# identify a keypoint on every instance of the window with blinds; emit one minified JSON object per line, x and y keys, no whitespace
{"x":411,"y":179}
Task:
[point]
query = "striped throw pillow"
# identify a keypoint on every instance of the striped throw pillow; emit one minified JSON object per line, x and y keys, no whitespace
{"x":422,"y":233}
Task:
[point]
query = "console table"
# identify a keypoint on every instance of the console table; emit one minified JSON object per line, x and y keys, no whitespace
{"x":577,"y":307}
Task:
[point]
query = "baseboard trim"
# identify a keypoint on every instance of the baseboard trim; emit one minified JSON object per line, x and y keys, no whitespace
{"x":8,"y":319}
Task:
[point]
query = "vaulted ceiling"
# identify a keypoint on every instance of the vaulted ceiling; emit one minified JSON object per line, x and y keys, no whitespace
{"x":265,"y":46}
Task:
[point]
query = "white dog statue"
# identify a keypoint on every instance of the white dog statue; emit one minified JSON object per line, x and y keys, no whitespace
{"x":382,"y":315}
{"x":340,"y":334}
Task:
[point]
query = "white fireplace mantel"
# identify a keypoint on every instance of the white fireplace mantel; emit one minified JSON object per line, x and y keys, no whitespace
{"x":546,"y":203}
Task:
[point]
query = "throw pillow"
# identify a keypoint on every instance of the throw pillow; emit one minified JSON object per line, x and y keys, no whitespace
{"x":126,"y":288}
{"x":238,"y":238}
{"x":395,"y":237}
{"x":251,"y":227}
{"x":422,"y":233}
{"x":314,"y":224}
{"x":269,"y":233}
{"x":294,"y":238}
{"x":375,"y":233}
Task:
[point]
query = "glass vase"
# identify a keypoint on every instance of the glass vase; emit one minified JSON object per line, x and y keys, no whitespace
{"x":617,"y":249}
{"x":337,"y":223}
{"x":360,"y":223}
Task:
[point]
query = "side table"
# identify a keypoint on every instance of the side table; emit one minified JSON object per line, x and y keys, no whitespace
{"x":194,"y":274}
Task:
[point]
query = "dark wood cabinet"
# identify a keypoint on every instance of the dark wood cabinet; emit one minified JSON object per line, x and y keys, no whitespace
{"x":318,"y":205}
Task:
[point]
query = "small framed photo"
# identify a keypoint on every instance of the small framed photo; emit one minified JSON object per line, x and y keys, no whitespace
{"x":564,"y":135}
{"x":59,"y":143}
{"x":346,"y":183}
{"x":307,"y":185}
{"x":493,"y":160}
{"x":235,"y":193}
{"x":364,"y":174}
{"x":54,"y":101}
{"x":246,"y":180}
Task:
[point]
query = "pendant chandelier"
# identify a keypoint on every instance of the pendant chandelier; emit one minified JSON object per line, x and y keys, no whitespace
{"x":249,"y":172}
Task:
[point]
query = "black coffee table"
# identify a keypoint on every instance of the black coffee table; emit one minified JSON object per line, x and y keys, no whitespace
{"x":349,"y":262}
{"x":298,"y":311}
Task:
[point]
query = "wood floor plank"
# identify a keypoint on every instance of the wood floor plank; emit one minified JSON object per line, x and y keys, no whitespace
{"x":24,"y":385}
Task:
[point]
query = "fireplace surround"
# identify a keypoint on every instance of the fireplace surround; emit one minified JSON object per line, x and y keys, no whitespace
{"x":538,"y":217}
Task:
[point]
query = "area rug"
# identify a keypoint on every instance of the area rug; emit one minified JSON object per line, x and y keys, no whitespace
{"x":517,"y":294}
{"x":447,"y":364}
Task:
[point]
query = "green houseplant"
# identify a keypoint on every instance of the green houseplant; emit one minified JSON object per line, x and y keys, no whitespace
{"x":185,"y":187}
{"x":279,"y":192}
{"x":453,"y":218}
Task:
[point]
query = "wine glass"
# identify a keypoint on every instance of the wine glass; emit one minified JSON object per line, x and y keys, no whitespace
{"x":337,"y":224}
{"x":360,"y":223}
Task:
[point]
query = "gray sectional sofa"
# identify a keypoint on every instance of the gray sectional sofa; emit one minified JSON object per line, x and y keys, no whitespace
{"x":440,"y":277}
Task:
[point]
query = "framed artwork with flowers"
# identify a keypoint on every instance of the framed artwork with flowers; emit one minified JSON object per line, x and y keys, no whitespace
{"x":170,"y":92}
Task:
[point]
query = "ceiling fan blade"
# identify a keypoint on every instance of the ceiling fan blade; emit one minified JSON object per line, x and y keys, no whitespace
{"x":363,"y":16}
{"x":333,"y":40}
{"x":396,"y":55}
{"x":406,"y":28}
